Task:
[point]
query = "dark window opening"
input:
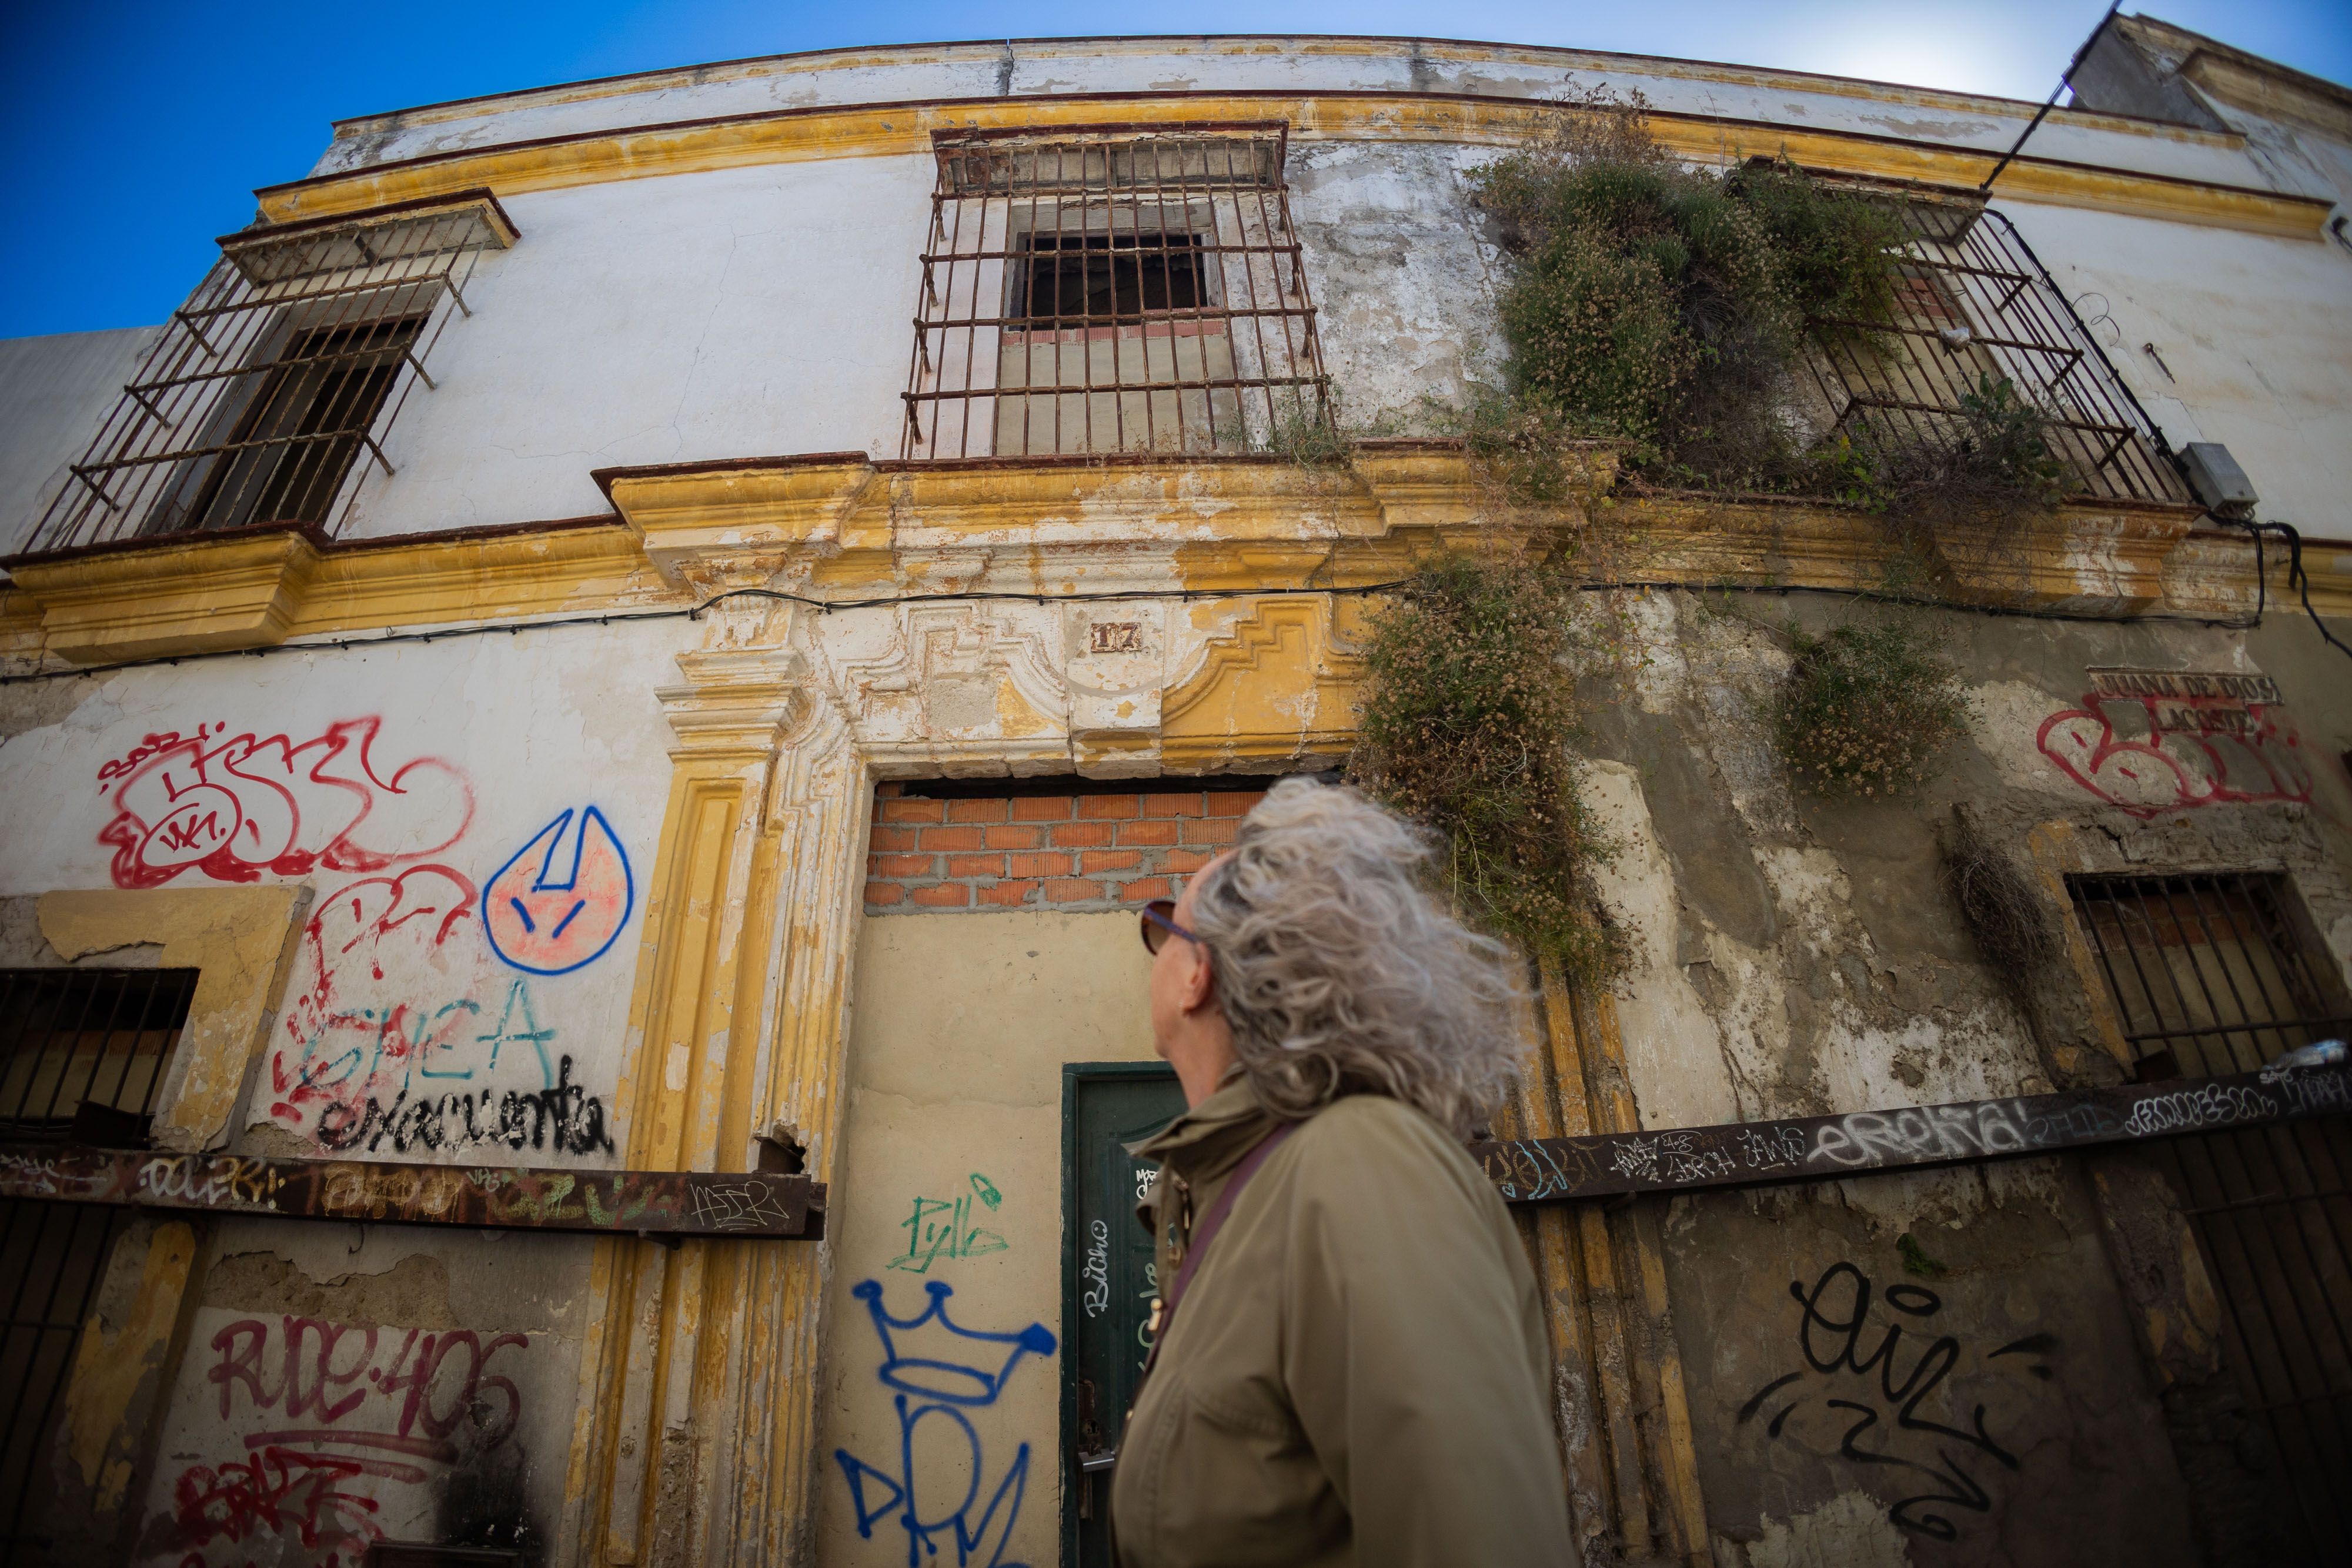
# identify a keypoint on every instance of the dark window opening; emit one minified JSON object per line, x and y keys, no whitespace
{"x":82,"y":1055}
{"x":1070,"y":280}
{"x":295,"y":442}
{"x":83,"y":1052}
{"x":2212,"y":975}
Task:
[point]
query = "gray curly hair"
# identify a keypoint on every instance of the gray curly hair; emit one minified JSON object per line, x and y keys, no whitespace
{"x":1340,"y":975}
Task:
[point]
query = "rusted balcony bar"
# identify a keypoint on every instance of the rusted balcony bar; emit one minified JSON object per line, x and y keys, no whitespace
{"x":741,"y":1206}
{"x":1817,"y":1149}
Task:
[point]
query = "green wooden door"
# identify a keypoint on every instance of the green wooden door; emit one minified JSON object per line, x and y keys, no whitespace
{"x":1108,"y":1280}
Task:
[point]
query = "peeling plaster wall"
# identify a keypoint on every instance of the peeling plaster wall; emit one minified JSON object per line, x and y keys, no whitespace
{"x":1994,"y":1381}
{"x":344,"y":1384}
{"x":955,"y":1071}
{"x":1793,"y":954}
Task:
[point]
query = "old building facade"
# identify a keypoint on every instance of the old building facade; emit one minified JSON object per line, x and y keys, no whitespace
{"x":763,"y":568}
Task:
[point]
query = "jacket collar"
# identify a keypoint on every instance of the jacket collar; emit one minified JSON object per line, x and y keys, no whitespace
{"x":1210,"y":1138}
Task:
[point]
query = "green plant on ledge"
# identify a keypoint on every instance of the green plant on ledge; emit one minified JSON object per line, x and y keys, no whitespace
{"x":1867,"y":706}
{"x":1468,"y":714}
{"x":1666,"y":307}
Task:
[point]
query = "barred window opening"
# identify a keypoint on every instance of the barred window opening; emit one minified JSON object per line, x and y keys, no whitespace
{"x":1974,"y":308}
{"x":1110,"y":291}
{"x":267,"y":396}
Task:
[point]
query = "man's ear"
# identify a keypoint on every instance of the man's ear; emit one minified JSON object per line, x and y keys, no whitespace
{"x":1200,"y":980}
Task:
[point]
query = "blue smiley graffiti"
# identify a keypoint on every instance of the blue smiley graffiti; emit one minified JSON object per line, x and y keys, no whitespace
{"x":549,"y":914}
{"x":937,"y":1370}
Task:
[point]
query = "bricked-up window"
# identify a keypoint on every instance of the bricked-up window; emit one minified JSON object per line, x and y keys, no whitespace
{"x":1071,"y":845}
{"x":267,"y":396}
{"x":1112,"y":290}
{"x":2212,"y":975}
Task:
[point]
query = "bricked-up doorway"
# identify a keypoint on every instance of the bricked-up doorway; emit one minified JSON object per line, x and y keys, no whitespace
{"x":1066,"y":843}
{"x":999,"y":954}
{"x":2213,"y":974}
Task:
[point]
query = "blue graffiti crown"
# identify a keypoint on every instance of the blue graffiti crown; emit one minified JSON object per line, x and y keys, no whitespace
{"x":929,"y":1355}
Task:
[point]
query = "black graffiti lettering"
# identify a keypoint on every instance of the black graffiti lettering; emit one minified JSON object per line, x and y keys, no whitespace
{"x":562,"y":1117}
{"x":1834,"y":1337}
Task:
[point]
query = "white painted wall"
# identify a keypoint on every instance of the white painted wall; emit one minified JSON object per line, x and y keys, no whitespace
{"x":740,"y":313}
{"x":2254,"y":335}
{"x":405,"y":984}
{"x":54,"y":390}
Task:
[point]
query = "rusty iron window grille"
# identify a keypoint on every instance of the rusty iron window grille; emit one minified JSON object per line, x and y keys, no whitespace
{"x":1974,"y":305}
{"x":82,"y":1054}
{"x":2211,"y":977}
{"x":1110,"y":290}
{"x":267,"y":396}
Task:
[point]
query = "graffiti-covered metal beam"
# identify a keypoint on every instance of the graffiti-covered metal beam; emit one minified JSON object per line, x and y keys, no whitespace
{"x":748,"y":1205}
{"x":1746,"y":1154}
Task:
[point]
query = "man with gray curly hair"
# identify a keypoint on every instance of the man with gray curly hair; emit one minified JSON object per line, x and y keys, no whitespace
{"x":1354,"y":1372}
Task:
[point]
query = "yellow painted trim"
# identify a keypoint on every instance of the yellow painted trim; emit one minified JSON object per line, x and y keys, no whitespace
{"x":241,"y":940}
{"x":847,"y":529}
{"x":101,"y":1437}
{"x":203,"y":593}
{"x":905,"y":129}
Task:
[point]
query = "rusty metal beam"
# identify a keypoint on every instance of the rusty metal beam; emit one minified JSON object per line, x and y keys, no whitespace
{"x":745,"y":1206}
{"x":1814,"y":1148}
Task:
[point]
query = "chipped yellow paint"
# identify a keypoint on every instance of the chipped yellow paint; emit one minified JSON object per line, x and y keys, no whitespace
{"x":1276,"y":684}
{"x":100,"y":1435}
{"x":198,"y":593}
{"x":905,"y":129}
{"x":837,"y":528}
{"x":241,"y":942}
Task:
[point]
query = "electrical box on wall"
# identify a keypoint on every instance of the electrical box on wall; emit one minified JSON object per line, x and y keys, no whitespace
{"x":2216,"y":477}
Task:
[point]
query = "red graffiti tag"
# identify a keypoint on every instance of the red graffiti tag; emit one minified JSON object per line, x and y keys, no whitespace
{"x":235,"y":807}
{"x":2200,"y":751}
{"x":340,"y":1045}
{"x":278,"y":1490}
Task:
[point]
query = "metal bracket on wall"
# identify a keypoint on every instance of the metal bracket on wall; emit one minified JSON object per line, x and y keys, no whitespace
{"x":1861,"y":1143}
{"x":667,"y":1206}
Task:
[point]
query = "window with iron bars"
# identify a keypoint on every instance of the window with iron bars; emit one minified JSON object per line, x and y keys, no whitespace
{"x":2210,"y":975}
{"x":83,"y":1055}
{"x":1112,"y":290}
{"x":267,"y":396}
{"x":1974,"y":306}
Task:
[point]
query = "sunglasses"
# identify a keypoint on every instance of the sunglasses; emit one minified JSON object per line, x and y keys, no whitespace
{"x":1159,"y":921}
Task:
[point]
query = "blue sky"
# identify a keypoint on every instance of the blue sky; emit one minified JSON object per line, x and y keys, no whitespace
{"x":137,"y":131}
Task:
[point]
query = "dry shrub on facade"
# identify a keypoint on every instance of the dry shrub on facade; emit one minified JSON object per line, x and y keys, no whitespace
{"x":1468,"y":714}
{"x":2003,"y":909}
{"x":1867,"y":707}
{"x":1976,"y":482}
{"x":1666,"y":307}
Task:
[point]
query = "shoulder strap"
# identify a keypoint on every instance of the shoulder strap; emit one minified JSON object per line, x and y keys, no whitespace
{"x":1211,"y":1223}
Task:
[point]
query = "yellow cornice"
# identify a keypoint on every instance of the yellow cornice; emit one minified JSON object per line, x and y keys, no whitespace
{"x":905,"y":129}
{"x":841,"y":529}
{"x":251,"y":588}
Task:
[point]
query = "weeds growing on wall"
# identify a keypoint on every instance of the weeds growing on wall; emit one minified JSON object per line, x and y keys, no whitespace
{"x":1867,"y":707}
{"x":1670,"y":309}
{"x":1666,"y":307}
{"x":1468,"y":715}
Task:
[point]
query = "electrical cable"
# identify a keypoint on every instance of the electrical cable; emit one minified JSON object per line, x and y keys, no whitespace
{"x":2295,"y":579}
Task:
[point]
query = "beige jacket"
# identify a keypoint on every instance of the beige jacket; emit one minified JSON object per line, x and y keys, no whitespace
{"x":1357,"y":1375}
